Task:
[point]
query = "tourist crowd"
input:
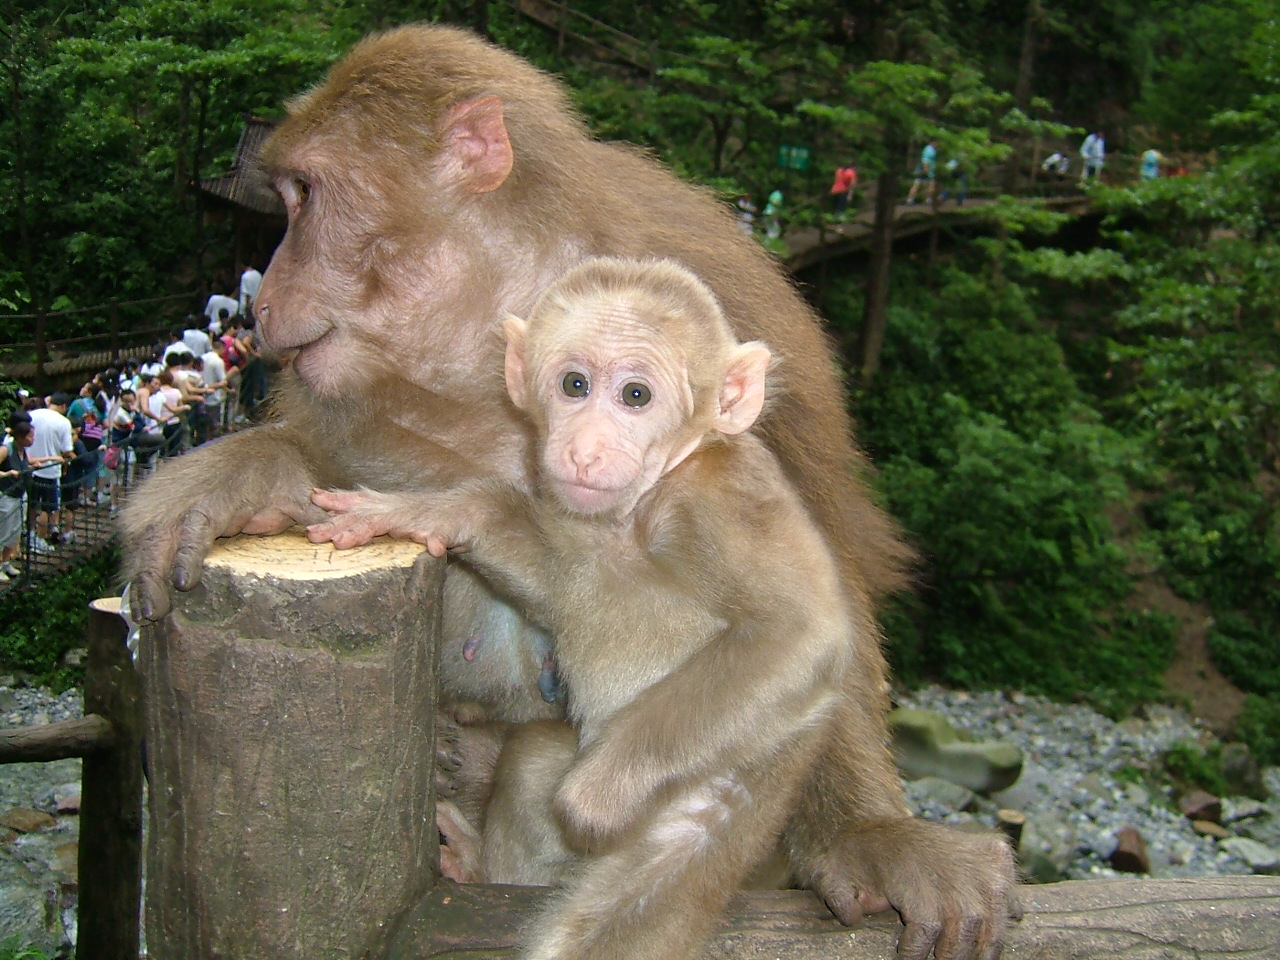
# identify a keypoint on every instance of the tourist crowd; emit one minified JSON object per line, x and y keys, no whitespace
{"x":63,"y":454}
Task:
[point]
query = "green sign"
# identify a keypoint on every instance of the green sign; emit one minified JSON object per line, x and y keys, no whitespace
{"x":791,"y":157}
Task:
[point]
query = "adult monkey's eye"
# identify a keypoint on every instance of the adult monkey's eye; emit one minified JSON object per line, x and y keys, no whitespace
{"x":636,"y":395}
{"x":575,"y":385}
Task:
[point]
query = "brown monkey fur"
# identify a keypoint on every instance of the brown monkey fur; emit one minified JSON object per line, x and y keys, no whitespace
{"x":435,"y":183}
{"x":723,"y":599}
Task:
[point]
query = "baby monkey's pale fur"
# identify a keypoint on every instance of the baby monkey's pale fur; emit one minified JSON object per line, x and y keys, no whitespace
{"x":662,"y":535}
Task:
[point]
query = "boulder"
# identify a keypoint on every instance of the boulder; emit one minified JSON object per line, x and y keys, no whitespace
{"x":1046,"y":849}
{"x":1208,"y":828}
{"x":941,"y":793}
{"x":1260,"y":857}
{"x":1130,"y":854}
{"x":926,"y":745}
{"x":1199,"y":805}
{"x":25,"y":820}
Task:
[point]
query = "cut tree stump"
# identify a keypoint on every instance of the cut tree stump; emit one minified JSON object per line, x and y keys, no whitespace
{"x":1212,"y":918}
{"x":290,"y":741}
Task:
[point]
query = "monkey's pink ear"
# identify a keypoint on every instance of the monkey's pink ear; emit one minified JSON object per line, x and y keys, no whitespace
{"x":514,"y":329}
{"x":742,"y":389}
{"x":476,"y":136}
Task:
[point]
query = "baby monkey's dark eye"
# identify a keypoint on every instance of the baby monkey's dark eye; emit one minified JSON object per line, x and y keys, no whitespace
{"x":636,"y":395}
{"x":575,"y":385}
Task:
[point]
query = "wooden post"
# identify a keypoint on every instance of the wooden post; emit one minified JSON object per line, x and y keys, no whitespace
{"x":42,"y":352}
{"x":290,"y":731}
{"x":114,"y":328}
{"x":110,"y":857}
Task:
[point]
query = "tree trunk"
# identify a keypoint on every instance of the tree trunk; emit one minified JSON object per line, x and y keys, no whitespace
{"x":877,"y":299}
{"x":290,"y":733}
{"x":1022,"y":90}
{"x":21,"y":191}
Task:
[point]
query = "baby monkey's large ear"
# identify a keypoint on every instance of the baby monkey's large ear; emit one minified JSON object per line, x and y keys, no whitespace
{"x":514,"y":329}
{"x":742,"y":387}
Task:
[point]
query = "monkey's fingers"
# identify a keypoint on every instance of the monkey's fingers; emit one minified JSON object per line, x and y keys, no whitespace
{"x":149,"y":597}
{"x":343,"y":531}
{"x":173,"y":559}
{"x":338,"y":501}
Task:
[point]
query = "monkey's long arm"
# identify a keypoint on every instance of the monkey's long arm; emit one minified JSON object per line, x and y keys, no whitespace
{"x":772,"y":675}
{"x":488,"y":522}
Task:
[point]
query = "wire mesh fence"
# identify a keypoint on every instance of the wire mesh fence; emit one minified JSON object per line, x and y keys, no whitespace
{"x":56,"y":523}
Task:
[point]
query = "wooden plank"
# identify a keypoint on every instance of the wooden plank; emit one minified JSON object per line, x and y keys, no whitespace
{"x":110,"y":858}
{"x":55,"y":741}
{"x":290,"y":729}
{"x":1211,"y":918}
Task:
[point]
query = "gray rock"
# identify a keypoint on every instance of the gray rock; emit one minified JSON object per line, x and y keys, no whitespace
{"x":927,"y":745}
{"x":942,"y":793}
{"x":1235,"y":809}
{"x":1095,"y":787}
{"x":25,"y":915}
{"x":1047,"y":848}
{"x":1260,"y":857}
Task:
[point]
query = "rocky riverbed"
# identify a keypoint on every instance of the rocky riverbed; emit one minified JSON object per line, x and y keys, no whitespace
{"x":1086,"y":782}
{"x":39,"y":827}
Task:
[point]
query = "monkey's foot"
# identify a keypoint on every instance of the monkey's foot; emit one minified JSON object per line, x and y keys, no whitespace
{"x":955,"y":891}
{"x":460,"y":845}
{"x":466,"y":755}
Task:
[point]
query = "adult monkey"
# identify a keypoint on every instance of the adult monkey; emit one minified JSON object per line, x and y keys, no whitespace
{"x":435,"y":183}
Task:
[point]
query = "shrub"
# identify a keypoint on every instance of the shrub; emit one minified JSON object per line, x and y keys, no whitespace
{"x":43,"y":623}
{"x":1258,"y":727}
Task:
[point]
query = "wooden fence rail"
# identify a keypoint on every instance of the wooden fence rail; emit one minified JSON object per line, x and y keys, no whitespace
{"x":43,"y":362}
{"x":109,"y":738}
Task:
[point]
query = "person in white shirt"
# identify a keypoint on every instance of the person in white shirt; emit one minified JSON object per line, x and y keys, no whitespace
{"x":196,"y":340}
{"x":1094,"y":153}
{"x":250,"y":281}
{"x":215,"y":380}
{"x":52,"y":447}
{"x":1059,"y":164}
{"x":220,"y":301}
{"x":175,"y":345}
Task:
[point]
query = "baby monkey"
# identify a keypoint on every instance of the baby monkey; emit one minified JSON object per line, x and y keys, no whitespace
{"x":699,"y":620}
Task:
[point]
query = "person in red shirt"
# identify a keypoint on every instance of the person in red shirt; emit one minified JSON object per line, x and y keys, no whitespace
{"x":846,"y":181}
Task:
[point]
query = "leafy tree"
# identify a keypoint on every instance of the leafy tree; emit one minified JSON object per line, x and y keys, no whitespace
{"x":115,"y":112}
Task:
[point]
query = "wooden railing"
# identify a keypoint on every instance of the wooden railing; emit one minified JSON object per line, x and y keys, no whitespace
{"x":109,"y":739}
{"x":42,"y":362}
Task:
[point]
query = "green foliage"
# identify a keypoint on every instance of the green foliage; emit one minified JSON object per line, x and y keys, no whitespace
{"x":1199,"y":70}
{"x":41,"y":624}
{"x":1189,"y":765}
{"x":11,"y":948}
{"x":1258,"y":727}
{"x":998,"y":468}
{"x":1195,"y":348}
{"x":113,"y":112}
{"x":1248,"y":653}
